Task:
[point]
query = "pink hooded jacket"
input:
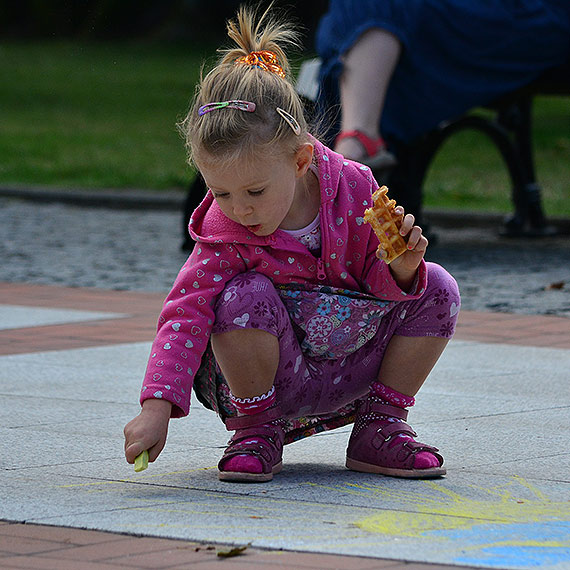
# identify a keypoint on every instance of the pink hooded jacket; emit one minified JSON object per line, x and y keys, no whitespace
{"x":225,"y":249}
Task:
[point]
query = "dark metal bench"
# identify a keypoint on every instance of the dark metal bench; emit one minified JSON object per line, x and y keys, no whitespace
{"x":510,"y":129}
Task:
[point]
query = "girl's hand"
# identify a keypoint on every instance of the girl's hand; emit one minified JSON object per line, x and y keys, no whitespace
{"x":405,"y":266}
{"x":148,"y":430}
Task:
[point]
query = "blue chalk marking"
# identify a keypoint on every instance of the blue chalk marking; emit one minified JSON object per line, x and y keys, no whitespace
{"x":517,"y":556}
{"x":503,"y":545}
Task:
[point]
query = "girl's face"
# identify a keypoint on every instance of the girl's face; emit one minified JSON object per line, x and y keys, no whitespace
{"x":261,"y":194}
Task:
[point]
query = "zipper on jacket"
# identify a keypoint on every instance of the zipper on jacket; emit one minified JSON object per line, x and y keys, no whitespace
{"x":321,"y":275}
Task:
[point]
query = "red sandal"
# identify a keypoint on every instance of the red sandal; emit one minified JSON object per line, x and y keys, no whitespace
{"x":372,"y":448}
{"x":377,"y":157}
{"x":259,"y":435}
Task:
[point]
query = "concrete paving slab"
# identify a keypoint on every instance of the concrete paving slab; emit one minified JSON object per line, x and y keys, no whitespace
{"x":554,"y":466}
{"x":105,"y":374}
{"x":510,"y":438}
{"x":497,"y":508}
{"x":463,"y":519}
{"x":45,"y":496}
{"x":25,"y":410}
{"x":95,"y":448}
{"x":440,"y":521}
{"x":31,"y":448}
{"x":17,"y":317}
{"x":502,"y":372}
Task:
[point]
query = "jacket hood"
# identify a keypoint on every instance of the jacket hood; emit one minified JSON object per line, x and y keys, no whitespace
{"x":209,"y":224}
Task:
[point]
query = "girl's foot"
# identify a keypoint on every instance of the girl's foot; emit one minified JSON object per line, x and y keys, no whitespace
{"x":382,"y":442}
{"x":358,"y":146}
{"x":255,"y":450}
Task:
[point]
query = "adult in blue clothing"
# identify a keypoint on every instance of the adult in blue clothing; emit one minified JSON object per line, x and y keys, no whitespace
{"x":400,"y":67}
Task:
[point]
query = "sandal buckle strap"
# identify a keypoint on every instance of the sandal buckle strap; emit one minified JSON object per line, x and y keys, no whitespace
{"x":261,"y":451}
{"x":243,"y":422}
{"x":386,"y":433}
{"x":266,"y":431}
{"x":388,"y":410}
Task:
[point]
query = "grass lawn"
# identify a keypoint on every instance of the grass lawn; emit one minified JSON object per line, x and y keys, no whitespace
{"x":92,"y":115}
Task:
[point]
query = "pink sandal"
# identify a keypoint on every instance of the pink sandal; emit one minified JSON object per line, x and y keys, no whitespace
{"x":372,"y":449}
{"x":258,"y":435}
{"x":377,"y":157}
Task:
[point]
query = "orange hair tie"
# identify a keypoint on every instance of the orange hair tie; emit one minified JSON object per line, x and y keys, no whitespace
{"x":264,"y":59}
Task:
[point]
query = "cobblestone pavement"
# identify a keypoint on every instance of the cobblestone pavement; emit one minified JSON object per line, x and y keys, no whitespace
{"x":139,"y":250}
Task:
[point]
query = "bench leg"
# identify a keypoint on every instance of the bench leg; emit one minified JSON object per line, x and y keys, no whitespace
{"x":528,"y":218}
{"x":196,"y":192}
{"x":511,"y":135}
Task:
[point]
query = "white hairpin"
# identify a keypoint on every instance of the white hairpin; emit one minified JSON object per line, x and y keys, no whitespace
{"x":291,"y":121}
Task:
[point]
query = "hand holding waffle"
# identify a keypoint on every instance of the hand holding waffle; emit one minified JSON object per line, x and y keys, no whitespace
{"x":402,"y":244}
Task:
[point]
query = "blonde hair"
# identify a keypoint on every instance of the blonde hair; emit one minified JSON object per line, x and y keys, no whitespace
{"x":228,"y":134}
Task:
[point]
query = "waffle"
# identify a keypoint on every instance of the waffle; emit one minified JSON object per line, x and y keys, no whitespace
{"x":386,"y":224}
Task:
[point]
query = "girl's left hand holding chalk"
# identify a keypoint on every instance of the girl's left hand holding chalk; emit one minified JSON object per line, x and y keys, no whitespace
{"x":141,"y":461}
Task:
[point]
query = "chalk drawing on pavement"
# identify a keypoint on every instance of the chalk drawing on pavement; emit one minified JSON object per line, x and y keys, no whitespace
{"x":514,"y":525}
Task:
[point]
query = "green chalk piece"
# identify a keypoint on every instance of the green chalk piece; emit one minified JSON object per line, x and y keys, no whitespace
{"x":141,"y":462}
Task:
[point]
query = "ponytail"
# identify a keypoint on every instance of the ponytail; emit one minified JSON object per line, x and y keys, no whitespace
{"x":255,"y":73}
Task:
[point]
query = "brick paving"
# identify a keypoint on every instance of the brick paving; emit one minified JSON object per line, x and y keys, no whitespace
{"x":139,"y":324}
{"x":141,"y":312}
{"x":41,"y":546}
{"x":62,"y":548}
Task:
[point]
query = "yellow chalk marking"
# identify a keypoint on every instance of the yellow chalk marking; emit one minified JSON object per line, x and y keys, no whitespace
{"x":141,"y":462}
{"x":448,"y":510}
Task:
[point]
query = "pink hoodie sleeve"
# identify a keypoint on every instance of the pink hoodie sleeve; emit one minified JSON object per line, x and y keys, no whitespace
{"x":185,"y":324}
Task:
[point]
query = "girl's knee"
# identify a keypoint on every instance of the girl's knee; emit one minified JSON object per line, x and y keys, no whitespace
{"x":252,"y":280}
{"x":243,"y":288}
{"x":249,"y":300}
{"x":441,"y":285}
{"x":435,"y":312}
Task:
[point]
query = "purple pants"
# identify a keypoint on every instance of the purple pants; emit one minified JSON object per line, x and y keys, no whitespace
{"x":331,"y":341}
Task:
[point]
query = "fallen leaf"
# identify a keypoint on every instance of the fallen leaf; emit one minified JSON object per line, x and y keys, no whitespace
{"x":555,"y":285}
{"x":236,"y":551}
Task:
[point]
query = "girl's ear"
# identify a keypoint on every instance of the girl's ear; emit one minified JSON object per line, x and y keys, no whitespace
{"x":304,"y":158}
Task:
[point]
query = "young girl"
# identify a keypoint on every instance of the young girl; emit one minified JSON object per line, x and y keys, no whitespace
{"x":285,"y":319}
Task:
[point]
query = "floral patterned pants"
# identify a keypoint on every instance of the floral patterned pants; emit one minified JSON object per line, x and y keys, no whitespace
{"x":331,"y":341}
